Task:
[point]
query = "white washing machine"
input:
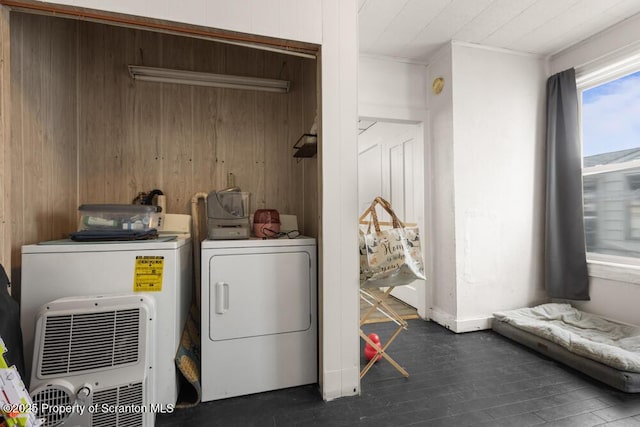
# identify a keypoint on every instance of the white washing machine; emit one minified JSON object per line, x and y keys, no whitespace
{"x":259,"y":322}
{"x":64,"y":268}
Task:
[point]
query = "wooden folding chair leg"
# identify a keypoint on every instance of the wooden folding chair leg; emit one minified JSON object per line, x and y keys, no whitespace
{"x":373,"y":307}
{"x":382,"y":352}
{"x":380,"y":304}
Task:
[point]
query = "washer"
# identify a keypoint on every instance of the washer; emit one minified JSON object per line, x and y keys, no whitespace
{"x":259,"y":322}
{"x":64,"y":268}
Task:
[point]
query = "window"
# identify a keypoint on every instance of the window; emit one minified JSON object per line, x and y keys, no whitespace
{"x":611,"y":166}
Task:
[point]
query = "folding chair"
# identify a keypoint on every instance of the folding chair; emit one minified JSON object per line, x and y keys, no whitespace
{"x":379,"y":304}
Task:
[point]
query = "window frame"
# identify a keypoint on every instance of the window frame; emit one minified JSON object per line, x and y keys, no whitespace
{"x":612,"y":267}
{"x":630,"y":205}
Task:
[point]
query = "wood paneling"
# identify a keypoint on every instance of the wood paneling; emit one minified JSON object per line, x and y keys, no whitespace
{"x":44,"y":137}
{"x":240,"y":149}
{"x":145,"y":148}
{"x":5,"y":141}
{"x":87,"y":133}
{"x":207,"y":105}
{"x":187,"y":139}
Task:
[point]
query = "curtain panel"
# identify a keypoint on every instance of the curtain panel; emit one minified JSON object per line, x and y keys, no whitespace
{"x":566,"y":275}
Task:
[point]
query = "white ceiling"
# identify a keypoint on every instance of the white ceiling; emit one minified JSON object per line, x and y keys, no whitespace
{"x":415,"y":29}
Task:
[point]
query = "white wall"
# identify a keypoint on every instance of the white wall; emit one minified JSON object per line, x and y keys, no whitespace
{"x":611,"y":42}
{"x":340,"y":306}
{"x":392,"y":90}
{"x":488,"y":183}
{"x":498,"y":115}
{"x":614,"y":291}
{"x":443,"y":307}
{"x":612,"y":297}
{"x":333,"y":24}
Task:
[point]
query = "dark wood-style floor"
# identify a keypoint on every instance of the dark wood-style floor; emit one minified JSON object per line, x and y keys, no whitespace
{"x":472,"y":379}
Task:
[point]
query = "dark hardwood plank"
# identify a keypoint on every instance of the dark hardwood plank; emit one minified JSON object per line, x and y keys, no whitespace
{"x":472,"y":379}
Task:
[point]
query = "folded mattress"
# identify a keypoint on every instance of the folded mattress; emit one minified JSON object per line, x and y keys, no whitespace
{"x":601,"y":348}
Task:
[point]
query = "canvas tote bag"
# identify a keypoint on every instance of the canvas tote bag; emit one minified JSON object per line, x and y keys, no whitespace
{"x":390,"y":256}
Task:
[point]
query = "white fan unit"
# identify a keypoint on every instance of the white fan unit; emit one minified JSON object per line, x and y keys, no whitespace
{"x":91,"y":364}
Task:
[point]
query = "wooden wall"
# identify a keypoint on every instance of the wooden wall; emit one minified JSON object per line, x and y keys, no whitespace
{"x":5,"y":139}
{"x":85,"y":132}
{"x":44,"y":131}
{"x":185,"y":139}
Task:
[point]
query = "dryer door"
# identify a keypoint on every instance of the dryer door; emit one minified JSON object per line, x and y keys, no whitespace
{"x":259,"y":294}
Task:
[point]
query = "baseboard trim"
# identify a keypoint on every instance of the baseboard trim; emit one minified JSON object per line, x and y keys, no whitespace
{"x":469,"y":325}
{"x":340,"y":383}
{"x":457,"y":325}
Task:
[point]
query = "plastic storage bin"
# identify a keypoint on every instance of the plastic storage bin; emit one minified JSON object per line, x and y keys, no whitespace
{"x":118,"y":217}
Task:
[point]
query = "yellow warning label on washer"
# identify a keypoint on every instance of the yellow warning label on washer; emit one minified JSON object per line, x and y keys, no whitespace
{"x":147,"y":276}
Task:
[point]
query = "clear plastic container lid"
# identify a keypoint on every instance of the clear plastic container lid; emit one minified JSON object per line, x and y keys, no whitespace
{"x":118,"y":208}
{"x":119,"y":217}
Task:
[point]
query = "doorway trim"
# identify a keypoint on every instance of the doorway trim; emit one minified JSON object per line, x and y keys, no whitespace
{"x":419,"y":117}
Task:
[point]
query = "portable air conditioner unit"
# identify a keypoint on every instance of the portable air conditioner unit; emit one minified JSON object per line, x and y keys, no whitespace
{"x":92,"y":364}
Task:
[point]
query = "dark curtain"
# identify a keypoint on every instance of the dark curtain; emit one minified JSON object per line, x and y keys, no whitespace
{"x":566,"y":274}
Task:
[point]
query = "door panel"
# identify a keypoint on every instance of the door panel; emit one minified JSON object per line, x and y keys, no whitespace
{"x":397,"y":178}
{"x":258,"y":294}
{"x":369,"y":177}
{"x":401,"y":171}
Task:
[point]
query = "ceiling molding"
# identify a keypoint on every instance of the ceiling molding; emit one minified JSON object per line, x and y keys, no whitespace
{"x":393,"y":59}
{"x":498,"y":49}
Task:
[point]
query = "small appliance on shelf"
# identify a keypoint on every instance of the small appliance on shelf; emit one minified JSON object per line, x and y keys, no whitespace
{"x":228,"y":214}
{"x":266,"y":223}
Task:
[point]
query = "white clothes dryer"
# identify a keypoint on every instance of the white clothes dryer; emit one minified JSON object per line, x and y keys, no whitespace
{"x":159,"y":268}
{"x":259,"y":315}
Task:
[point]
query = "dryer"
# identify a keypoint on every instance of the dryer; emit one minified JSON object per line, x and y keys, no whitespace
{"x":158,"y":268}
{"x":259,"y":315}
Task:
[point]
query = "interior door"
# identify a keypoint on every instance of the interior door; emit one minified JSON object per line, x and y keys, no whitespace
{"x":391,"y":165}
{"x":403,"y":197}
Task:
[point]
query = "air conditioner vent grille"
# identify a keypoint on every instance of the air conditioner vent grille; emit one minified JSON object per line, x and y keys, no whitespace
{"x":52,"y":397}
{"x":120,"y":406}
{"x":90,"y":341}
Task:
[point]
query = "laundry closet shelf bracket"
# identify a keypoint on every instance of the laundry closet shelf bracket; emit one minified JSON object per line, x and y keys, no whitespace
{"x":306,"y":146}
